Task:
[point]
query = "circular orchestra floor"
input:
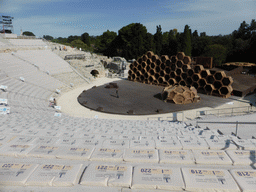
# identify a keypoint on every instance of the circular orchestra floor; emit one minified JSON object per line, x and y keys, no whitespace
{"x":138,"y":99}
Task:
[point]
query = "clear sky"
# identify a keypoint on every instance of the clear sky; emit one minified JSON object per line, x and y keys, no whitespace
{"x":61,"y":18}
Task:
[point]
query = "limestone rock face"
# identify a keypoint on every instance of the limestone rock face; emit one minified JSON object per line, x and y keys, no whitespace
{"x":179,"y":94}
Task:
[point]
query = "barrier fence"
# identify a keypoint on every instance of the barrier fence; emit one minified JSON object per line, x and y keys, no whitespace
{"x":234,"y":123}
{"x":177,"y":116}
{"x":226,"y":111}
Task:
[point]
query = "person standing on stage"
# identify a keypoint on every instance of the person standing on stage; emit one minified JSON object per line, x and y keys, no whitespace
{"x":117,"y":96}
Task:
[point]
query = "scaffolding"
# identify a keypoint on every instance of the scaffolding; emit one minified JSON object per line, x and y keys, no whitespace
{"x":6,"y":24}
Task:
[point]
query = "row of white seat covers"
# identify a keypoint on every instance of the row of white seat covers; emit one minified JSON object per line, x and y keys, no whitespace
{"x":123,"y":175}
{"x":23,"y":148}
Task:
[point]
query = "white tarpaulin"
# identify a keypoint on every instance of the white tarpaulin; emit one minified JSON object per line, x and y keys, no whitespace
{"x":75,"y":153}
{"x":212,"y":157}
{"x":141,"y":155}
{"x":55,"y":175}
{"x":157,"y":177}
{"x":246,"y":179}
{"x":113,"y":175}
{"x":15,"y":174}
{"x":107,"y":154}
{"x":240,"y":157}
{"x":176,"y":156}
{"x":203,"y":179}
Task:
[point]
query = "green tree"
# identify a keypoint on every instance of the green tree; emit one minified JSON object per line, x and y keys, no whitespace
{"x":243,"y":31}
{"x":165,"y":38}
{"x":187,"y":47}
{"x":72,"y":38}
{"x":199,"y":44}
{"x":60,"y":40}
{"x":130,"y":42}
{"x":179,"y":38}
{"x":79,"y":44}
{"x":158,"y":38}
{"x":104,"y":41}
{"x":165,"y":44}
{"x":175,"y":32}
{"x":253,"y":27}
{"x":48,"y":37}
{"x":195,"y":34}
{"x":218,"y":52}
{"x":173,"y":43}
{"x":149,"y":44}
{"x":28,"y":33}
{"x":85,"y":37}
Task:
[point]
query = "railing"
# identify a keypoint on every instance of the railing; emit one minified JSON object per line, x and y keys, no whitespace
{"x":226,"y":111}
{"x":176,"y":116}
{"x":234,"y":123}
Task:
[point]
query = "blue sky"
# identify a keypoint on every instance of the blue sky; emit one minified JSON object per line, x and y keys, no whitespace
{"x":61,"y":18}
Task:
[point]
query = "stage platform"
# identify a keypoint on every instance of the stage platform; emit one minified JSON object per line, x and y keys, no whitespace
{"x":138,"y":99}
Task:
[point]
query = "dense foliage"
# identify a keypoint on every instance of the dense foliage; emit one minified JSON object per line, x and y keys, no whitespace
{"x":28,"y":33}
{"x":133,"y":40}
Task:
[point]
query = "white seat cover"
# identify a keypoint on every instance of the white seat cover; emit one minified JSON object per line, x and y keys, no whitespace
{"x":246,"y":179}
{"x":116,"y":143}
{"x":55,"y":175}
{"x":203,"y":179}
{"x":221,"y":144}
{"x":194,"y":144}
{"x":168,"y":144}
{"x":45,"y":151}
{"x":143,"y":144}
{"x":15,"y":174}
{"x":108,"y":154}
{"x":157,"y":177}
{"x":244,"y":144}
{"x":75,"y":153}
{"x":141,"y":155}
{"x":240,"y":157}
{"x":16,"y":150}
{"x":176,"y":156}
{"x":212,"y":157}
{"x":102,"y":174}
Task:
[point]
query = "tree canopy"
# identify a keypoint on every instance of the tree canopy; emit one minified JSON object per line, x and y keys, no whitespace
{"x":28,"y":33}
{"x":48,"y":37}
{"x":133,"y":40}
